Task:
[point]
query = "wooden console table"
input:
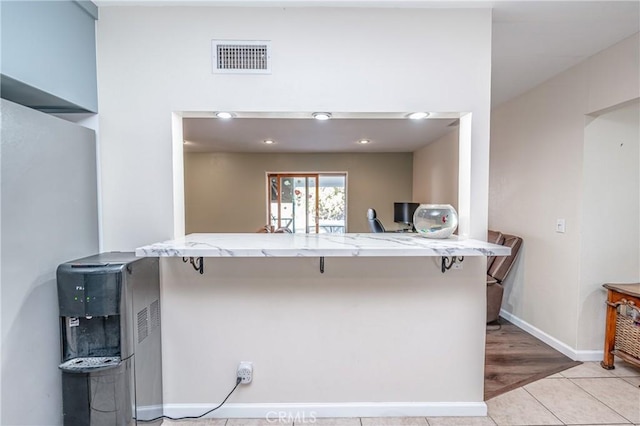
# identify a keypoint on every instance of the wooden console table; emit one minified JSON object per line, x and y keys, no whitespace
{"x":615,"y":294}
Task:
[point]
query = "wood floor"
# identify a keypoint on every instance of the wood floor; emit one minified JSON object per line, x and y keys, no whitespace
{"x":514,"y":358}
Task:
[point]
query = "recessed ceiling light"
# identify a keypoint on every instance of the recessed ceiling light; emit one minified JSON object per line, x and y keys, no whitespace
{"x":364,"y":141}
{"x":322,"y":115}
{"x":418,"y":115}
{"x":224,"y":114}
{"x":268,"y":141}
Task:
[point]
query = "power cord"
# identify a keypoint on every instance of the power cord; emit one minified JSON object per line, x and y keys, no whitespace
{"x":238,"y":380}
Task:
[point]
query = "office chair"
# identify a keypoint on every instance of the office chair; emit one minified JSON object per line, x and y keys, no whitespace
{"x":374,"y":223}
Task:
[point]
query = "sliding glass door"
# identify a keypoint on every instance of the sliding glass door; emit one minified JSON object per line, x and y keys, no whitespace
{"x":308,"y":202}
{"x":293,"y":202}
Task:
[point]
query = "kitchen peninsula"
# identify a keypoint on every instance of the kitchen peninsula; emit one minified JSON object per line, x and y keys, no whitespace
{"x":380,"y":331}
{"x":329,"y":245}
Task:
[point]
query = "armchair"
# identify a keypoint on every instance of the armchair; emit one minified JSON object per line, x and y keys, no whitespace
{"x":497,"y":270}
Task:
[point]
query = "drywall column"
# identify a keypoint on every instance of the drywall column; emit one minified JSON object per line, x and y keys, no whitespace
{"x":49,"y":216}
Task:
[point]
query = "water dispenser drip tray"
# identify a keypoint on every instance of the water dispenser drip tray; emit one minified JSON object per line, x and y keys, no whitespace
{"x":88,"y":364}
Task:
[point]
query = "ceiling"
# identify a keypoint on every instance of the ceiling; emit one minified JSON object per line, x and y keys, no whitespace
{"x":310,"y":135}
{"x":535,"y":40}
{"x":532,"y":42}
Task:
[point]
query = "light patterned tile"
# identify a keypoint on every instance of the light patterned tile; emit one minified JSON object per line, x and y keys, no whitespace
{"x":195,"y":422}
{"x":518,"y":407}
{"x":635,"y":381}
{"x":624,"y":369}
{"x":588,"y":369}
{"x":572,"y":404}
{"x":555,"y":376}
{"x":258,"y":422}
{"x":622,"y":396}
{"x":394,"y":421}
{"x":460,"y":421}
{"x":338,"y":421}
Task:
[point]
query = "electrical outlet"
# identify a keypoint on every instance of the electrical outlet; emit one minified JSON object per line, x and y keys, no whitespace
{"x":245,"y":372}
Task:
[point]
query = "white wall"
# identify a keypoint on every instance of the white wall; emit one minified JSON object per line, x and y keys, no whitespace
{"x":435,"y":171}
{"x":610,"y":243}
{"x":49,"y":216}
{"x":227,"y":192}
{"x":366,"y":338}
{"x":155,"y":60}
{"x":537,"y":145}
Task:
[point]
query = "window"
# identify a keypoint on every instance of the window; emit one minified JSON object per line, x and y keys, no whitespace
{"x":309,"y":203}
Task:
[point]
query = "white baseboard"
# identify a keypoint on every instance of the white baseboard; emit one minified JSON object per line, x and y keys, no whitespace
{"x":576,"y":355}
{"x":304,"y":412}
{"x":586,"y":356}
{"x":148,"y":412}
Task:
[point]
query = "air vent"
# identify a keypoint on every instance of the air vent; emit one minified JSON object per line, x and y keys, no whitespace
{"x":143,"y":325}
{"x":154,"y":315}
{"x":241,"y":57}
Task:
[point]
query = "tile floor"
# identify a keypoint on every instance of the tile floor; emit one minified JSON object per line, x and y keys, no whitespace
{"x":582,"y":395}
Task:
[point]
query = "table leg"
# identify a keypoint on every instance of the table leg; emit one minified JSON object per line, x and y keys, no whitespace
{"x":610,"y":335}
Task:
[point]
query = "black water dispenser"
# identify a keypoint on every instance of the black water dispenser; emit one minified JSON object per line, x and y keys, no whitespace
{"x":111,"y":345}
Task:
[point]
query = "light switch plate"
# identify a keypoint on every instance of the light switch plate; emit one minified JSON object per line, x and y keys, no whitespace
{"x":560,"y":226}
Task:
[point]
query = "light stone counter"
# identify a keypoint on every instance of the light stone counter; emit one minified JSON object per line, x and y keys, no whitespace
{"x":325,"y":245}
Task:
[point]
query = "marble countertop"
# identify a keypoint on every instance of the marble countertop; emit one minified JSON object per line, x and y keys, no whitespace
{"x":318,"y":245}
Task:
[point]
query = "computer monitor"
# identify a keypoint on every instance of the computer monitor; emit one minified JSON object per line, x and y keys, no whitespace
{"x":403,"y":213}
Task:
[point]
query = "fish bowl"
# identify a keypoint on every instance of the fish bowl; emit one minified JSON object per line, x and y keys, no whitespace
{"x":435,"y":220}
